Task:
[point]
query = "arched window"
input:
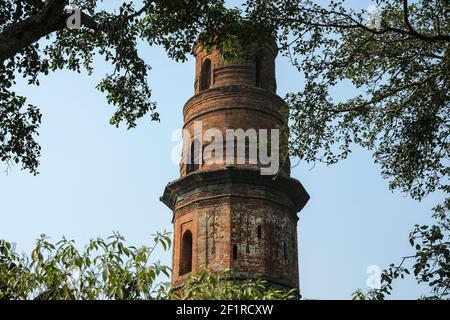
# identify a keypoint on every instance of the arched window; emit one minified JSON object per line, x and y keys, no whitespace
{"x":195,"y":156}
{"x":205,"y":78}
{"x":259,"y":232}
{"x":258,"y":72}
{"x":186,"y":253}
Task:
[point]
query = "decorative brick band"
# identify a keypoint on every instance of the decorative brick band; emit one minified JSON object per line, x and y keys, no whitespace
{"x":270,"y":100}
{"x":203,"y":180}
{"x":231,"y":107}
{"x":222,"y":199}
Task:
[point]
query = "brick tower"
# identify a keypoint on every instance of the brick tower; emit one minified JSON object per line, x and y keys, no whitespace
{"x":230,"y":215}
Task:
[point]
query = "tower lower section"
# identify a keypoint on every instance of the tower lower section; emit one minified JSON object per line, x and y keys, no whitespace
{"x":234,"y":218}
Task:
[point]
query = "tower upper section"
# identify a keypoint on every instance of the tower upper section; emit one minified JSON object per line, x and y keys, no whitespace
{"x":256,"y":69}
{"x":240,"y":95}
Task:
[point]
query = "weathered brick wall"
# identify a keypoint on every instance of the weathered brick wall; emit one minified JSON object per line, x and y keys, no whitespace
{"x":210,"y":225}
{"x":235,"y":107}
{"x":230,"y":215}
{"x":274,"y":255}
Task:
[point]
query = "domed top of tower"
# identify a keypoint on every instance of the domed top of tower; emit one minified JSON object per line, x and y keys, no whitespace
{"x":253,"y":67}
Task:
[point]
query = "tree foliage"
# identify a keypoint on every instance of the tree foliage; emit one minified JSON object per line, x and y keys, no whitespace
{"x":207,"y":285}
{"x":401,"y":71}
{"x":104,"y":269}
{"x":112,"y":35}
{"x":108,"y":269}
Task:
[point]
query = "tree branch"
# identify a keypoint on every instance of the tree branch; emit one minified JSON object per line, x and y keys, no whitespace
{"x":383,"y":96}
{"x":20,"y":35}
{"x":417,"y":34}
{"x":355,"y":24}
{"x":141,"y":11}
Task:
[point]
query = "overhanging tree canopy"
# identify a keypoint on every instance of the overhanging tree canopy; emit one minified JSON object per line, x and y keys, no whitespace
{"x":114,"y":35}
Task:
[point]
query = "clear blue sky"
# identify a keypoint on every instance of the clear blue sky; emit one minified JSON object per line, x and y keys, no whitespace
{"x":95,"y":179}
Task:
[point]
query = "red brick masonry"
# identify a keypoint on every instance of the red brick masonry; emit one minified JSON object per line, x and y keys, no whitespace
{"x":232,"y":217}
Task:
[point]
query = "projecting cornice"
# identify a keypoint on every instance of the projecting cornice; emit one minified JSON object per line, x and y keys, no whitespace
{"x":200,"y":181}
